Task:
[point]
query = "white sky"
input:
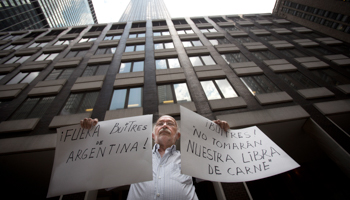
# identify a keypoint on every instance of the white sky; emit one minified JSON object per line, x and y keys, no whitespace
{"x":111,"y":10}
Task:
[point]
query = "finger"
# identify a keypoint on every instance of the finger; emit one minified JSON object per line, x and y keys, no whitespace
{"x":95,"y":121}
{"x":81,"y":123}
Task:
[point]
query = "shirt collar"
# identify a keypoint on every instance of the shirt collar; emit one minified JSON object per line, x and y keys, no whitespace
{"x":170,"y":149}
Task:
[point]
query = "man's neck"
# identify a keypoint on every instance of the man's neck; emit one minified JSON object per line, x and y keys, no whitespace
{"x":162,"y":149}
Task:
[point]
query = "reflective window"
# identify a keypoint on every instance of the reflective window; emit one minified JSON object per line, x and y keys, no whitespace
{"x":72,"y":54}
{"x":219,"y":41}
{"x":202,"y":60}
{"x":268,"y":38}
{"x":173,"y":93}
{"x":167,"y":63}
{"x":126,"y":98}
{"x":292,"y":53}
{"x":242,"y":40}
{"x":234,"y":58}
{"x":166,"y":45}
{"x":331,"y":77}
{"x":131,"y":48}
{"x":319,"y":51}
{"x":95,"y":70}
{"x":264,"y":55}
{"x":192,"y":43}
{"x":297,"y":80}
{"x":218,"y":89}
{"x":62,"y":42}
{"x":80,"y":103}
{"x":14,"y":47}
{"x":23,"y":77}
{"x":259,"y":84}
{"x":110,"y":50}
{"x":87,"y":40}
{"x":184,"y":32}
{"x":32,"y":108}
{"x":161,"y":33}
{"x":126,"y":67}
{"x":17,"y":59}
{"x":231,"y":28}
{"x":47,"y":56}
{"x":137,"y":35}
{"x":60,"y":74}
{"x":113,"y":37}
{"x":208,"y":30}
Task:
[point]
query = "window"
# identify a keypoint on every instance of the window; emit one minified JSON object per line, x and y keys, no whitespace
{"x":208,"y":30}
{"x":37,"y":44}
{"x":159,"y":23}
{"x":131,"y":48}
{"x":319,"y":51}
{"x":234,"y":58}
{"x":76,"y":30}
{"x":173,"y":93}
{"x":87,"y":40}
{"x":17,"y":59}
{"x":32,"y":108}
{"x":185,"y":32}
{"x":165,"y":45}
{"x":291,"y":37}
{"x":179,"y":21}
{"x":168,"y":63}
{"x":242,"y":40}
{"x":331,"y":77}
{"x":2,"y":76}
{"x":231,"y":28}
{"x":138,"y":25}
{"x":259,"y":84}
{"x":297,"y":80}
{"x":248,"y":28}
{"x":126,"y":67}
{"x":62,"y":42}
{"x":113,"y":37}
{"x":95,"y":70}
{"x":161,"y":33}
{"x":47,"y":56}
{"x":264,"y":55}
{"x":15,"y":47}
{"x":97,"y":28}
{"x":79,"y":103}
{"x":23,"y":77}
{"x":268,"y":38}
{"x":137,"y":35}
{"x":192,"y":43}
{"x":218,"y":19}
{"x":202,"y":60}
{"x":117,"y":26}
{"x":269,"y":26}
{"x":72,"y":54}
{"x":126,"y":98}
{"x":218,"y":89}
{"x":54,"y":32}
{"x":219,"y":41}
{"x":110,"y":50}
{"x":292,"y":53}
{"x":59,"y":74}
{"x":199,"y":21}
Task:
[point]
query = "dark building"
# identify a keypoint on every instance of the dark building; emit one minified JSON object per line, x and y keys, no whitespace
{"x":258,"y":69}
{"x":36,"y":14}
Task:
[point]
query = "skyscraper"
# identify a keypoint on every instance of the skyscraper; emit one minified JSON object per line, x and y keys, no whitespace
{"x":144,"y":10}
{"x":35,"y":14}
{"x":291,"y":81}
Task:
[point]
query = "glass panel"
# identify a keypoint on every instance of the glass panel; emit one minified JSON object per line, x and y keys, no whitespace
{"x":138,"y":66}
{"x":158,"y":46}
{"x":214,"y":42}
{"x":80,"y":53}
{"x":165,"y":94}
{"x":30,"y":77}
{"x":41,"y":108}
{"x":140,"y":47}
{"x":52,"y":56}
{"x":157,"y":34}
{"x":197,"y":43}
{"x":42,"y":57}
{"x":118,"y":99}
{"x":88,"y":102}
{"x":196,"y":61}
{"x":72,"y":104}
{"x":212,"y":30}
{"x":225,"y":88}
{"x":89,"y":71}
{"x":210,"y":90}
{"x":161,"y":64}
{"x":181,"y":32}
{"x":66,"y":73}
{"x":259,"y":84}
{"x":125,"y":67}
{"x":297,"y":80}
{"x":102,"y":70}
{"x":189,"y":31}
{"x":17,"y":78}
{"x":181,"y":92}
{"x":173,"y":63}
{"x":110,"y":50}
{"x":117,"y":37}
{"x":108,"y":38}
{"x":331,"y":77}
{"x":25,"y":109}
{"x":53,"y":75}
{"x":12,"y":60}
{"x":135,"y":97}
{"x":165,"y":33}
{"x":204,"y":30}
{"x":169,"y":45}
{"x":141,"y":35}
{"x":92,"y":39}
{"x":83,"y":40}
{"x":187,"y":44}
{"x":129,"y":48}
{"x":132,"y":36}
{"x":208,"y":60}
{"x":264,"y":55}
{"x":234,"y":58}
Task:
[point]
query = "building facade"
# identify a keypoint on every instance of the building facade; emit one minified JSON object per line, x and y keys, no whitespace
{"x":30,"y":14}
{"x":290,"y":81}
{"x":329,"y":17}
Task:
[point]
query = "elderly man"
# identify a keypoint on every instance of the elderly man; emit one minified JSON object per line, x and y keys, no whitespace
{"x":168,"y":182}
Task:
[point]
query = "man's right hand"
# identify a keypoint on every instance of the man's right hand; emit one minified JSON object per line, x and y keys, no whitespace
{"x":87,"y":123}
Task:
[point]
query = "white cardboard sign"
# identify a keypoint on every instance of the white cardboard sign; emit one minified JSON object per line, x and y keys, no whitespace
{"x":210,"y":153}
{"x":113,"y":153}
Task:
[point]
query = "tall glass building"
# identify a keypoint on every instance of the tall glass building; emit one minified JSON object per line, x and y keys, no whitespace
{"x":34,"y":14}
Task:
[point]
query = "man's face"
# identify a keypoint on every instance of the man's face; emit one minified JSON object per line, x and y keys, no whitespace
{"x":165,"y":132}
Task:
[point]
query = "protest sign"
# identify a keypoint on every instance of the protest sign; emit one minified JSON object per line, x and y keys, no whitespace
{"x":210,"y":153}
{"x":113,"y":153}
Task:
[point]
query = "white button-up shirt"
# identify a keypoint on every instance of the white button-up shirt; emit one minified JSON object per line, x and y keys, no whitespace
{"x":168,"y":182}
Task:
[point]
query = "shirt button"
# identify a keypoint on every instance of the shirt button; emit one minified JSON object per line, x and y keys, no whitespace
{"x":159,"y":177}
{"x":158,"y":195}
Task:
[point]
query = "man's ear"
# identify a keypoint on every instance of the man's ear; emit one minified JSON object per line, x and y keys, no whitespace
{"x":153,"y":136}
{"x":178,"y":134}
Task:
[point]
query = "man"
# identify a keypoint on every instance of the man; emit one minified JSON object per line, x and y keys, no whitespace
{"x":168,"y":182}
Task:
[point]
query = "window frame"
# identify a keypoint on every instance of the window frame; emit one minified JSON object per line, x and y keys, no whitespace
{"x":202,"y":60}
{"x":97,"y":70}
{"x":191,"y":42}
{"x":15,"y":114}
{"x":161,"y":33}
{"x":163,"y":44}
{"x":134,"y":47}
{"x":132,"y":66}
{"x":218,"y":89}
{"x":80,"y":104}
{"x":175,"y":98}
{"x":167,"y":63}
{"x":137,"y":35}
{"x":126,"y":100}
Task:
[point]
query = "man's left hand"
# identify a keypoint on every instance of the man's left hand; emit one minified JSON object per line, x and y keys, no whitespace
{"x":223,"y":124}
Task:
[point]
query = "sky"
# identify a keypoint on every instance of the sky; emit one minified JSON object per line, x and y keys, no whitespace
{"x":111,"y":10}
